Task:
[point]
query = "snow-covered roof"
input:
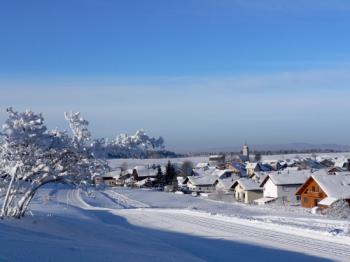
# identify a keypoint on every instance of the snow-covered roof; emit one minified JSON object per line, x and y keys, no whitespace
{"x":254,"y":165}
{"x":248,"y":184}
{"x":228,"y":182}
{"x":264,"y":200}
{"x":145,"y":171}
{"x":336,"y":186}
{"x":260,"y":176}
{"x":202,"y":180}
{"x":336,"y":169}
{"x":114,"y":174}
{"x":205,"y":172}
{"x":202,"y":165}
{"x":128,"y":171}
{"x":240,"y":167}
{"x":144,"y":181}
{"x":291,"y":178}
{"x":341,"y":162}
{"x":251,"y":165}
{"x":221,"y":173}
{"x":328,"y":201}
{"x":216,"y":156}
{"x":180,"y":180}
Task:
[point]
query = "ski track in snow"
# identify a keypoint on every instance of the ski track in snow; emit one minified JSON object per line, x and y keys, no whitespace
{"x":125,"y":201}
{"x":234,"y":229}
{"x":212,"y":227}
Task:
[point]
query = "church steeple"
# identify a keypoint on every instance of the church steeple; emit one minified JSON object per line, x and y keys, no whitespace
{"x":245,"y":151}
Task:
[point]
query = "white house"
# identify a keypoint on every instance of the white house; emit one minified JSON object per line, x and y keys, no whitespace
{"x":283,"y":186}
{"x":247,"y":190}
{"x":201,"y":184}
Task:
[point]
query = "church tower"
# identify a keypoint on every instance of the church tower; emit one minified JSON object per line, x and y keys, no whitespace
{"x":245,"y":151}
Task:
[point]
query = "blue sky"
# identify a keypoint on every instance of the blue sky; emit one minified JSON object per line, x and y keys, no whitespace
{"x":201,"y":73}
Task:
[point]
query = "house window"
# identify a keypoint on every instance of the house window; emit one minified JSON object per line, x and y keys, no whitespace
{"x":313,"y":189}
{"x":285,"y":188}
{"x":306,"y":200}
{"x":298,"y":198}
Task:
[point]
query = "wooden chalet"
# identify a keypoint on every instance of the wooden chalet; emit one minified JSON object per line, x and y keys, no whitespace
{"x":324,"y":190}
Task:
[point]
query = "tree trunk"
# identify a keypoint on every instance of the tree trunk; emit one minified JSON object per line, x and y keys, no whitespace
{"x":24,"y":202}
{"x":6,"y":201}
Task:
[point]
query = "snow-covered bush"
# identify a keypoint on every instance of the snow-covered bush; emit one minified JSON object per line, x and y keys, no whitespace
{"x":31,"y":156}
{"x":339,"y":209}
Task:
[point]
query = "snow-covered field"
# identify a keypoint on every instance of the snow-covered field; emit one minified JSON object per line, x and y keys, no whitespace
{"x":157,"y":161}
{"x":198,"y":159}
{"x":293,"y":156}
{"x":67,"y":224}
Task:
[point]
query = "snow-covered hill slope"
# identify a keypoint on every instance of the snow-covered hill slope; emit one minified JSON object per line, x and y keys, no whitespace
{"x":67,"y":224}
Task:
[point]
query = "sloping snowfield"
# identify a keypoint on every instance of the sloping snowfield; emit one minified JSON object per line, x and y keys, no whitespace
{"x":67,"y":224}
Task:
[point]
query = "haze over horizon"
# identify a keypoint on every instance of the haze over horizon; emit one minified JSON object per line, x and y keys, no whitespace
{"x":202,"y":74}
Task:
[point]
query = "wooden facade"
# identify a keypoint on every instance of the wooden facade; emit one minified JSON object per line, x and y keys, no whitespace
{"x":310,"y":193}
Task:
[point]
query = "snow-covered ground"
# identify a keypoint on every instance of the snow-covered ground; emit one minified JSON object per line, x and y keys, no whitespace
{"x":67,"y":224}
{"x":294,"y":156}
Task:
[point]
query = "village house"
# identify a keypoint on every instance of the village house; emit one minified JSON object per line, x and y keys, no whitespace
{"x":147,"y":182}
{"x":142,"y":172}
{"x":334,"y":170}
{"x":109,"y":179}
{"x":201,"y":184}
{"x":282,"y":186}
{"x":225,"y":184}
{"x":258,"y":177}
{"x":246,"y":190}
{"x":325,"y":162}
{"x":252,"y":167}
{"x":237,"y":168}
{"x":342,"y":162}
{"x":324,"y":190}
{"x":222,"y":174}
{"x":276,"y":165}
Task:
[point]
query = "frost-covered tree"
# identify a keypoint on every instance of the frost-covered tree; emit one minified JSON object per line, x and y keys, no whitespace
{"x":186,"y":168}
{"x":79,"y":127}
{"x":134,"y":145}
{"x":31,"y":156}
